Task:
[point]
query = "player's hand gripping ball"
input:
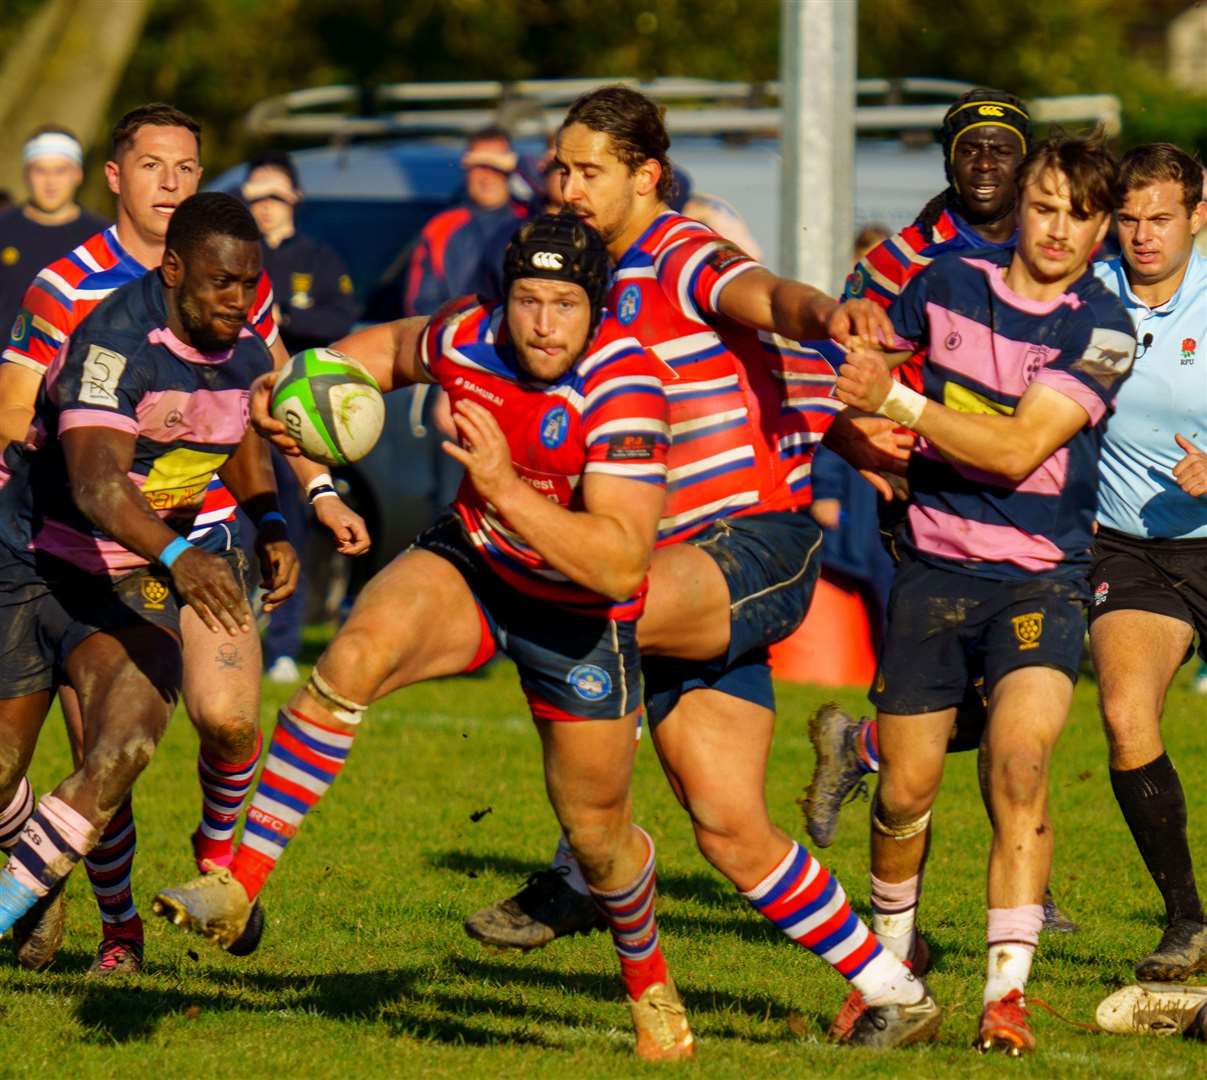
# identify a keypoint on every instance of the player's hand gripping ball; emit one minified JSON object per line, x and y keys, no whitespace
{"x":330,"y":404}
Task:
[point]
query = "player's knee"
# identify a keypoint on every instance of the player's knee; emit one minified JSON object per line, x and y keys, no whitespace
{"x":1020,"y":776}
{"x":358,"y":660}
{"x":230,"y":740}
{"x":905,"y":795}
{"x":596,"y":843}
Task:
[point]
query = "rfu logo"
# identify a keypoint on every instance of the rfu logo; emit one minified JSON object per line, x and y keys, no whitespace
{"x":547,"y":260}
{"x":991,"y":110}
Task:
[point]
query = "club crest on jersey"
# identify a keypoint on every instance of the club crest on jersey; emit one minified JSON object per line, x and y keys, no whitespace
{"x":1028,"y":629}
{"x":952,"y":341}
{"x":154,"y":593}
{"x":1189,"y":345}
{"x":856,"y":283}
{"x":629,"y":304}
{"x":554,"y":425}
{"x":20,"y":330}
{"x":10,"y":255}
{"x":591,"y":683}
{"x":1102,"y":592}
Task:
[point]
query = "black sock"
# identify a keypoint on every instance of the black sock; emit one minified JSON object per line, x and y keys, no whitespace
{"x":1155,"y":810}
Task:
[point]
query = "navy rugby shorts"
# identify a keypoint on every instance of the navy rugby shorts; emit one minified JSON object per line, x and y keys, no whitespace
{"x":770,"y":563}
{"x":571,"y":667}
{"x":946,"y":628}
{"x":49,"y":608}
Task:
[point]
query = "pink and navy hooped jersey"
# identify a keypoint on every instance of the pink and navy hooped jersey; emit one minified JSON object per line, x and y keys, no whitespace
{"x":124,"y":369}
{"x":606,"y":416}
{"x":986,"y":346}
{"x":747,"y":409}
{"x":66,"y":292}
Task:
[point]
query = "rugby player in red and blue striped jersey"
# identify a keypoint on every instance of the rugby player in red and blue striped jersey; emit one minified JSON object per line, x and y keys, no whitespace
{"x":737,"y":552}
{"x":563,"y":436}
{"x":155,"y":166}
{"x":1025,"y":352}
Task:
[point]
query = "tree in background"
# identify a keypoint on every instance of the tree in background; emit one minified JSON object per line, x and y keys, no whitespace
{"x":216,"y":58}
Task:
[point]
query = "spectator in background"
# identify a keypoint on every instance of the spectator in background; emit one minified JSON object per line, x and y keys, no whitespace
{"x":50,"y":223}
{"x":719,"y":215}
{"x":448,"y":256}
{"x":314,"y":307}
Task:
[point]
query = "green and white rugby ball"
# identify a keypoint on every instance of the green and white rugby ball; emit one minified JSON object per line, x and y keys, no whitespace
{"x":330,"y":404}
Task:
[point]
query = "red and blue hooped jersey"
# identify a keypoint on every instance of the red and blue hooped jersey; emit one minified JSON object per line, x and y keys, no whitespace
{"x":607,"y":415}
{"x":747,"y":408}
{"x":65,"y":293}
{"x":885,"y":270}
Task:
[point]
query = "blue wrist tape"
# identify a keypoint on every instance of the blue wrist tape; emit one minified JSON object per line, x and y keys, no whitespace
{"x":272,"y":515}
{"x":173,"y":551}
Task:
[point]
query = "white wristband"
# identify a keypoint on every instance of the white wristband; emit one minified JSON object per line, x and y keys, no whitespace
{"x":903,"y":405}
{"x":319,"y":481}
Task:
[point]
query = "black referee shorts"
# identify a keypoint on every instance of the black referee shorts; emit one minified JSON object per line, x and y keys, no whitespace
{"x":1166,"y":577}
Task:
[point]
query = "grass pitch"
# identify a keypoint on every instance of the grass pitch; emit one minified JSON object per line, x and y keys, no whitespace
{"x":365,"y":971}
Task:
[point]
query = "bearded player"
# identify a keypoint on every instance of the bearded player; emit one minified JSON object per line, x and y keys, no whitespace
{"x":154,"y":167}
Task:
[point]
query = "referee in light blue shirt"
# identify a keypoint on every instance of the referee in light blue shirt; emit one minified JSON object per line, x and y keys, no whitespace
{"x":1149,"y":575}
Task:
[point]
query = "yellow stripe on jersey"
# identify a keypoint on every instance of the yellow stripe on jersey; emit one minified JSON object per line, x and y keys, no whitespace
{"x":961,"y":399}
{"x":179,"y":478}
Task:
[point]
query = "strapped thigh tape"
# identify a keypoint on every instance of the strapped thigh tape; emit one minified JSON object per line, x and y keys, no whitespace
{"x":342,"y":708}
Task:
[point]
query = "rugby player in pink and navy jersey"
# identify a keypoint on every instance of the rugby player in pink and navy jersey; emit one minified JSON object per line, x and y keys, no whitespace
{"x":563,"y":436}
{"x":140,"y":411}
{"x":154,"y":167}
{"x":1025,"y":352}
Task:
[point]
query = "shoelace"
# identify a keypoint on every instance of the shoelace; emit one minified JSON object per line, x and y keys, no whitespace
{"x":860,"y":790}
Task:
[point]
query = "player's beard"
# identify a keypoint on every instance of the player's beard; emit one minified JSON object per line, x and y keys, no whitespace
{"x":202,"y":335}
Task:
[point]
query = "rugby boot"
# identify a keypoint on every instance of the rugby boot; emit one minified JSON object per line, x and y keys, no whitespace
{"x":660,"y":1021}
{"x":545,"y":909}
{"x":249,"y":941}
{"x":1198,"y":1026}
{"x":854,"y":1007}
{"x":38,"y":934}
{"x":120,"y":953}
{"x":1155,"y":1009}
{"x":1181,"y":953}
{"x":1055,"y":920}
{"x":214,"y":905}
{"x":883,"y":1027}
{"x":837,"y":774}
{"x":1005,"y":1026}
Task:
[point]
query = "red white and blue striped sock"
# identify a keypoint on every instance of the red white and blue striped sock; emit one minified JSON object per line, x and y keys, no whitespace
{"x":110,"y":864}
{"x":807,"y":903}
{"x":304,"y":758}
{"x":867,"y":746}
{"x":224,"y":788}
{"x":629,"y":912}
{"x":14,"y":816}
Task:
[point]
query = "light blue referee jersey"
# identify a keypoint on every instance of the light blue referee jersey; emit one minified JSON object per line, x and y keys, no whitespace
{"x":1165,"y":393}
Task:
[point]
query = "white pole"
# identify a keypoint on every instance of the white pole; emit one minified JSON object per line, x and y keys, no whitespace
{"x":817,"y":180}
